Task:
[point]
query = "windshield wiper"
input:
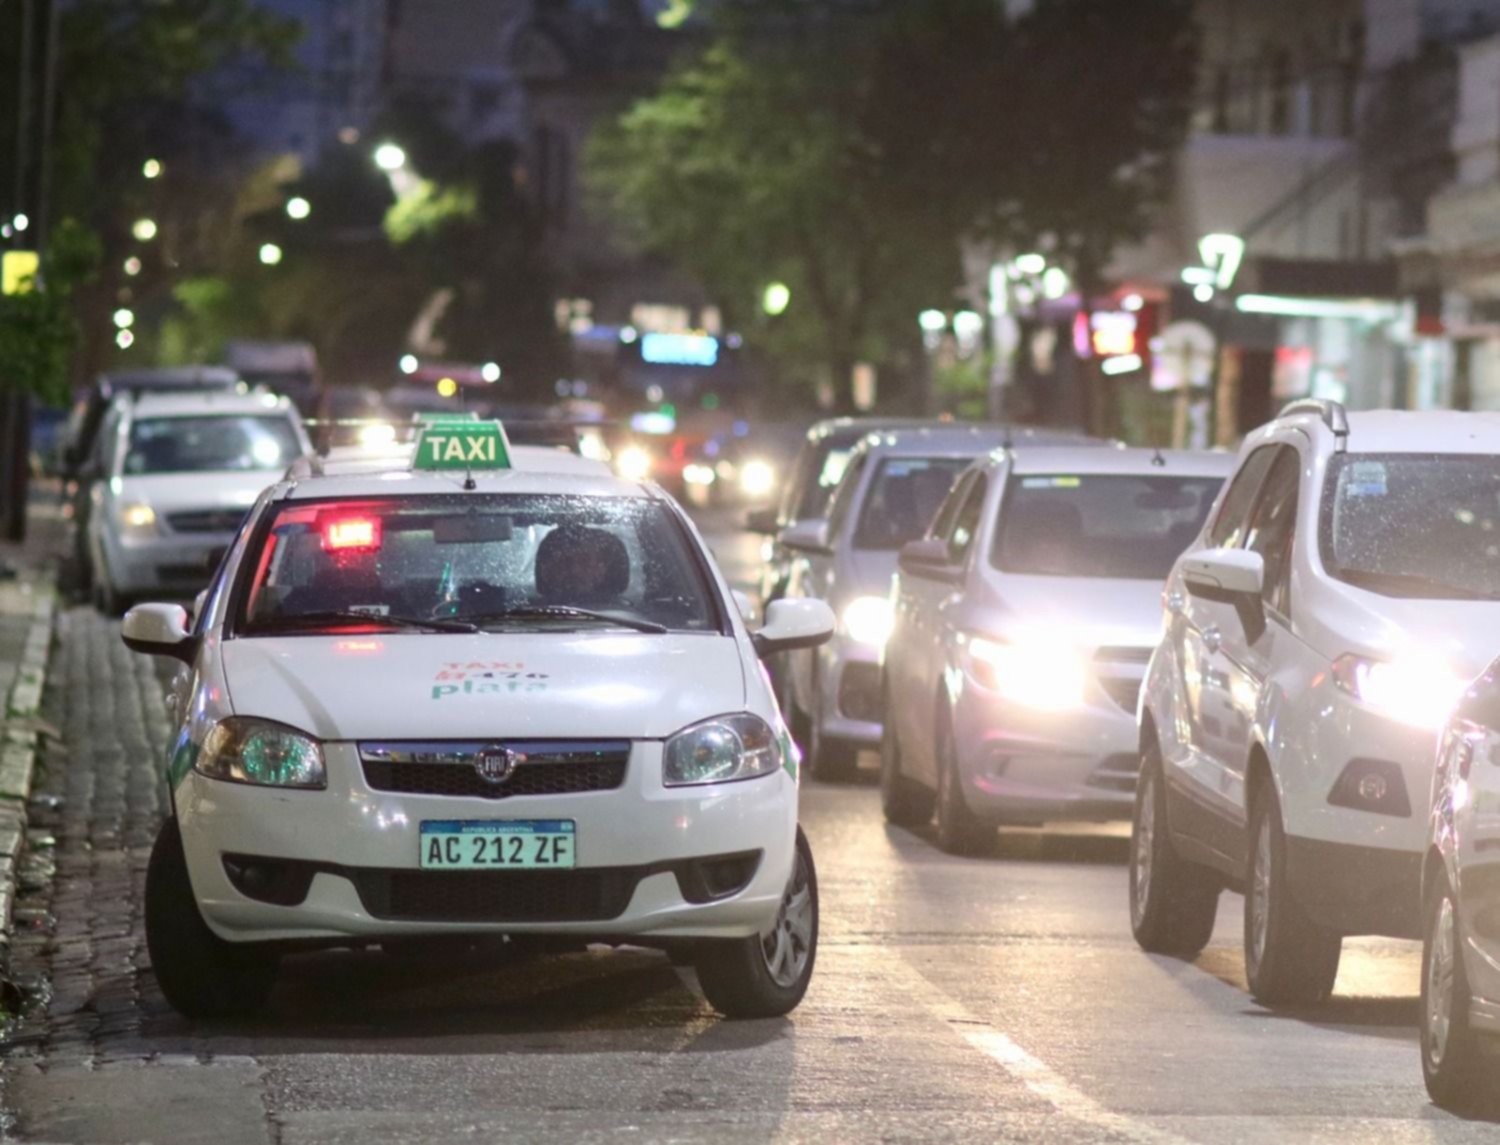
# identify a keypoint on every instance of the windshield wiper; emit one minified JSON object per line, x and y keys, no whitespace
{"x":327,"y":617}
{"x":1412,"y":584}
{"x":568,"y":612}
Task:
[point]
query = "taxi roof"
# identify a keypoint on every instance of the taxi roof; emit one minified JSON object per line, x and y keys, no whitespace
{"x":1120,"y":460}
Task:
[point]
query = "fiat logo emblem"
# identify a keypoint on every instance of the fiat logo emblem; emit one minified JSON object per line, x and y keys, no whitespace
{"x":494,"y":764}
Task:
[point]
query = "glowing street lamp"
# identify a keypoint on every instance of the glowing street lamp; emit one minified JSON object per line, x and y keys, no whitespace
{"x":132,"y":266}
{"x":777,"y":297}
{"x":124,"y":318}
{"x":933,"y":321}
{"x":270,"y":254}
{"x":408,"y":363}
{"x":151,"y":168}
{"x":490,"y":372}
{"x":144,"y":230}
{"x":390,"y":157}
{"x":298,"y":208}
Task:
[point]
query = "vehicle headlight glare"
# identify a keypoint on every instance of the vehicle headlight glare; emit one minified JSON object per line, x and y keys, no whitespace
{"x":757,"y":479}
{"x":698,"y":474}
{"x":1036,"y":673}
{"x":139,"y":519}
{"x":1418,"y":690}
{"x":867,"y":620}
{"x":377,"y":434}
{"x":633,"y":463}
{"x":259,"y":752}
{"x":721,"y":750}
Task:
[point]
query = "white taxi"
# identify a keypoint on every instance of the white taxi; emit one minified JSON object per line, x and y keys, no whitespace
{"x":485,"y":692}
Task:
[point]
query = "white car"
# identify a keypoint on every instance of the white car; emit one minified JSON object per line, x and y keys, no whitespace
{"x":177,"y":474}
{"x":466,"y":698}
{"x":1023,"y":623}
{"x":1316,"y":638}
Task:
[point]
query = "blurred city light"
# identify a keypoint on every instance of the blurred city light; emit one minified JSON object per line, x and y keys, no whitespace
{"x":1203,"y":292}
{"x":408,"y":363}
{"x":490,"y":372}
{"x":968,"y":324}
{"x":447,"y":388}
{"x":389,"y":157}
{"x":1031,"y":263}
{"x":144,"y":230}
{"x":151,"y":169}
{"x":132,"y":266}
{"x":298,"y":208}
{"x":20,"y":222}
{"x":777,"y":297}
{"x":1124,"y":364}
{"x":933,"y":321}
{"x":628,"y":334}
{"x":1055,"y":282}
{"x":270,"y":254}
{"x":1132,"y":302}
{"x":124,"y":339}
{"x":124,"y":318}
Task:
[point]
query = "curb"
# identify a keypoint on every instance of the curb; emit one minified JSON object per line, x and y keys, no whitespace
{"x":20,"y":743}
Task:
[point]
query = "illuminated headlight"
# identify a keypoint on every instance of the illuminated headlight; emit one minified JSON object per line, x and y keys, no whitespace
{"x":633,"y":463}
{"x":1035,"y":672}
{"x":757,"y":479}
{"x":380,"y":433}
{"x":867,"y":620}
{"x":138,"y":519}
{"x":242,"y":750}
{"x":698,"y":474}
{"x":721,"y":751}
{"x":1418,"y":690}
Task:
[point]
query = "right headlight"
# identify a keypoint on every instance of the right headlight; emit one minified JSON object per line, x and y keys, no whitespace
{"x":244,"y":750}
{"x":137,"y":519}
{"x":721,"y":750}
{"x":1416,"y":689}
{"x":1040,"y":672}
{"x":867,"y":620}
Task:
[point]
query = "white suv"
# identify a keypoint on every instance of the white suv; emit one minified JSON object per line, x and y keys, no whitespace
{"x":1316,"y":637}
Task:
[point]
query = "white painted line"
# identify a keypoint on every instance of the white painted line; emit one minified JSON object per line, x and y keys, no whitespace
{"x":1038,"y":1077}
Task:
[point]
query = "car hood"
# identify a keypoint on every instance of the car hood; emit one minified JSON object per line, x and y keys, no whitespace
{"x":167,"y":492}
{"x":525,"y":685}
{"x":1094,"y":612}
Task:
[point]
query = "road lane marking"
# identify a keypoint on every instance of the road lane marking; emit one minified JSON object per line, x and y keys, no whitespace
{"x":1037,"y":1076}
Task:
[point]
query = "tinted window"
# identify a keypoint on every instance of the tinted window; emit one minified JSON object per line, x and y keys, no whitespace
{"x":1414,"y":525}
{"x":1228,"y":528}
{"x":1100,"y":525}
{"x":1273,"y":527}
{"x":218,"y":443}
{"x":903,"y":498}
{"x":476,"y":557}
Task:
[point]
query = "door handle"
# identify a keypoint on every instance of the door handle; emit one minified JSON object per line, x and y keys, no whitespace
{"x":1213,"y":639}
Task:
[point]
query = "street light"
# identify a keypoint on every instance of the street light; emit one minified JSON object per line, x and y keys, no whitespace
{"x":132,"y":266}
{"x":124,"y":318}
{"x":932,"y":321}
{"x":298,"y":208}
{"x":20,"y":222}
{"x":270,"y":254}
{"x":124,"y":339}
{"x":1031,"y":263}
{"x":144,"y":230}
{"x":490,"y":372}
{"x":389,"y":157}
{"x":151,"y":168}
{"x":408,"y":363}
{"x":777,"y":297}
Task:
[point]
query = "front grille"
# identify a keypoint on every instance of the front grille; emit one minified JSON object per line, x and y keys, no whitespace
{"x":1124,"y":691}
{"x":542,"y":768}
{"x":594,"y":895}
{"x":206,"y":521}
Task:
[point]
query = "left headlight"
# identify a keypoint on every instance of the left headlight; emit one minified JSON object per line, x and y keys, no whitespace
{"x":721,"y":750}
{"x":757,"y":478}
{"x":138,"y":519}
{"x":1035,"y":672}
{"x":867,"y":620}
{"x":243,"y":750}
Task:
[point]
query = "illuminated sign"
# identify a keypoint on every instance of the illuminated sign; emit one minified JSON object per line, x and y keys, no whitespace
{"x":462,"y":445}
{"x":17,"y":269}
{"x":679,"y":349}
{"x":1113,"y":332}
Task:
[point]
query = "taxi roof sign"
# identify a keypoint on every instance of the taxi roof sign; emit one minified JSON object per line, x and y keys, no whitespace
{"x":466,"y":445}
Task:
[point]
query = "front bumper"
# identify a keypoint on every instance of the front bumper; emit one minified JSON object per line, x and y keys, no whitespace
{"x":644,"y":854}
{"x":176,"y":563}
{"x":1023,"y":766}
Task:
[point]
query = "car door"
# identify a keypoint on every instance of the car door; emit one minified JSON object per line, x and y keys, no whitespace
{"x":1197,"y":627}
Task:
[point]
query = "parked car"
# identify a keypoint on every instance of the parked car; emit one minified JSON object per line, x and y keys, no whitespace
{"x":1023,"y":622}
{"x":178,"y":473}
{"x":1317,"y":637}
{"x":893,"y":484}
{"x":1460,"y":1011}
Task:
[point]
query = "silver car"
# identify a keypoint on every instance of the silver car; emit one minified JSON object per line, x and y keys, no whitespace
{"x":893,"y":483}
{"x":1022,"y":625}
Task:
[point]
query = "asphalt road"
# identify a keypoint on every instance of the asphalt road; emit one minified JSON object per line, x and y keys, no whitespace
{"x":993,"y":998}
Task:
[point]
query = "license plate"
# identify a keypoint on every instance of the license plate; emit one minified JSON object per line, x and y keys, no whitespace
{"x":493,"y":844}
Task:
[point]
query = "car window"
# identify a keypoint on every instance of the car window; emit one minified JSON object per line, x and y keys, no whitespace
{"x":902,"y":499}
{"x":843,"y":496}
{"x":1272,"y":527}
{"x":476,"y":557}
{"x":1132,"y":526}
{"x":212,"y":443}
{"x":947,"y":514}
{"x":1228,"y":530}
{"x":818,"y":477}
{"x":966,"y":523}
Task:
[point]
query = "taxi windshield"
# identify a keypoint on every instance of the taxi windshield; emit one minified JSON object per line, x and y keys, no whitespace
{"x":1100,"y":525}
{"x":211,"y":444}
{"x":1414,"y":525}
{"x":540,"y":562}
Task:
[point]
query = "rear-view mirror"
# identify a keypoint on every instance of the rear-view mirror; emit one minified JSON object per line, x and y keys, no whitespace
{"x":809,"y":536}
{"x":159,"y":630}
{"x":928,"y":558}
{"x":792,"y":624}
{"x":1229,"y":576}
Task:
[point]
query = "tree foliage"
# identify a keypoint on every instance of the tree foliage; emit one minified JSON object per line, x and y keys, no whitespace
{"x":848,"y":149}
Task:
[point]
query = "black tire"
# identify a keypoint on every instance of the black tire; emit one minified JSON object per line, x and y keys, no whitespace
{"x":1289,"y":959}
{"x":959,"y":830}
{"x":737,"y":976}
{"x":906,"y":802}
{"x":201,"y":975}
{"x":1453,"y":1062}
{"x":1173,"y":902}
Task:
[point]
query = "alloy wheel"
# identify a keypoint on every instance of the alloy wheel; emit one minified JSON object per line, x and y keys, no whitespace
{"x":1440,"y":968}
{"x":1145,"y":838}
{"x":1260,"y":891}
{"x":788,"y":945}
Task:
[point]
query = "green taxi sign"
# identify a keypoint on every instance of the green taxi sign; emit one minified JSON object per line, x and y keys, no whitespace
{"x":456,"y":444}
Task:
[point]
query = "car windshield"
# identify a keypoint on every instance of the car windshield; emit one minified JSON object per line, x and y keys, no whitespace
{"x":1414,"y":525}
{"x":502,"y":562}
{"x":902,"y":499}
{"x":215,"y":443}
{"x":1099,"y":525}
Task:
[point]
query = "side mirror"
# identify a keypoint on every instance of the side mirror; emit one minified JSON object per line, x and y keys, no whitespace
{"x":1230,"y":576}
{"x":928,"y":558}
{"x":159,"y":630}
{"x":761,"y":521}
{"x":744,"y":605}
{"x":810,"y":536}
{"x":792,"y":624}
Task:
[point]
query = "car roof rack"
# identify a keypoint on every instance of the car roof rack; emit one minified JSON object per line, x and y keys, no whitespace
{"x":1331,"y":413}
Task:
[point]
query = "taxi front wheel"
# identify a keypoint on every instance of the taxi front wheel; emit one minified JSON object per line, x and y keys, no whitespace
{"x":1453,"y":1061}
{"x":765,"y":976}
{"x":201,"y":975}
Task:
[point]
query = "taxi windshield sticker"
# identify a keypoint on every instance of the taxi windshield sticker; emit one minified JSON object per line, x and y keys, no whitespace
{"x":1365,"y":479}
{"x":462,"y":445}
{"x":1051,"y":482}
